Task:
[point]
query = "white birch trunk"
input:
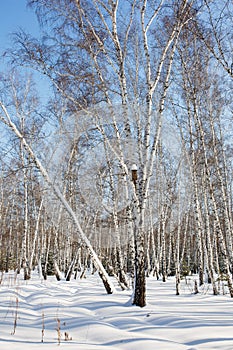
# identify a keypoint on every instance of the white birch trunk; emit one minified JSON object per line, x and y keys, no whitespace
{"x":208,"y":244}
{"x":35,"y":235}
{"x":25,"y":238}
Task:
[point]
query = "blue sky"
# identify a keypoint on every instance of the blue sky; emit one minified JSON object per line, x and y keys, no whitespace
{"x":14,"y":14}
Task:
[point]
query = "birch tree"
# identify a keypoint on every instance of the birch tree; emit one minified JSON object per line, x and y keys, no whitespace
{"x":118,"y":70}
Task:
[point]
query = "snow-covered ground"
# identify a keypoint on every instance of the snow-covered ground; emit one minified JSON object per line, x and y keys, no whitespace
{"x":80,"y":311}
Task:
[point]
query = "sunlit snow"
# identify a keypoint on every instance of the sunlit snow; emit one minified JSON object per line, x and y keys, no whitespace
{"x":79,"y":315}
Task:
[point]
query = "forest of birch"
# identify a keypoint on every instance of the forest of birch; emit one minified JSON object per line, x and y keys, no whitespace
{"x":116,"y":144}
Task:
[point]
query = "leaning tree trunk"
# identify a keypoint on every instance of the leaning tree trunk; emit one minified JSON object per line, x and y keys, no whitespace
{"x":102,"y":272}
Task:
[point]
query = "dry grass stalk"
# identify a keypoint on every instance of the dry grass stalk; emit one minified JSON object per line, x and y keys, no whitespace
{"x":43,"y":328}
{"x":16,"y":315}
{"x":58,"y":329}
